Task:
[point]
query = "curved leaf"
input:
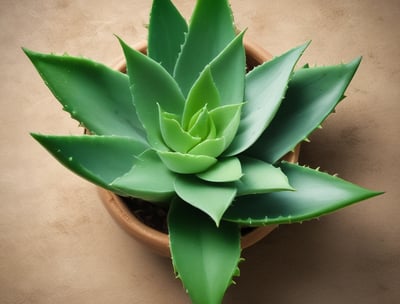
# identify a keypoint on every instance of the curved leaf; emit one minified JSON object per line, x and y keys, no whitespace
{"x":211,"y":198}
{"x":312,"y":95}
{"x":225,"y":170}
{"x":205,"y":257}
{"x":316,"y":194}
{"x":151,"y":85}
{"x":99,"y":159}
{"x":140,"y":181}
{"x":197,"y":50}
{"x":203,"y":94}
{"x":167,"y":30}
{"x":265,"y":88}
{"x":104,"y":103}
{"x":211,"y":147}
{"x":186,"y":163}
{"x":261,"y":177}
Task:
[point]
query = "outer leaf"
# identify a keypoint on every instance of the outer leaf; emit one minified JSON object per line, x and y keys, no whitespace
{"x":103,"y":104}
{"x":167,"y":30}
{"x":99,"y":159}
{"x":226,"y":170}
{"x":211,"y":198}
{"x":203,"y":94}
{"x":197,"y":52}
{"x":316,"y":194}
{"x":140,"y":182}
{"x":204,"y":256}
{"x":174,"y":136}
{"x":265,"y":88}
{"x":261,"y":177}
{"x":151,"y":85}
{"x":186,"y":163}
{"x":228,"y":70}
{"x":312,"y":95}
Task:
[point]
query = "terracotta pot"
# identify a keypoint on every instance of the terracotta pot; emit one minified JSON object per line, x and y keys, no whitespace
{"x":152,"y":238}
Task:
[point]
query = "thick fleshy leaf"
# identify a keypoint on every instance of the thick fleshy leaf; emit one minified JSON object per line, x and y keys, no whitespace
{"x":228,"y":71}
{"x":151,"y":85}
{"x":211,"y":198}
{"x":197,"y":50}
{"x":226,"y":120}
{"x":186,"y":163}
{"x":316,"y":194}
{"x":174,"y":136}
{"x":203,"y":94}
{"x":265,"y":88}
{"x":99,"y":159}
{"x":226,"y":170}
{"x":312,"y":95}
{"x":205,"y":257}
{"x":202,"y":125}
{"x":104,"y":103}
{"x":148,"y":179}
{"x":167,"y":30}
{"x":261,"y":177}
{"x":211,"y":147}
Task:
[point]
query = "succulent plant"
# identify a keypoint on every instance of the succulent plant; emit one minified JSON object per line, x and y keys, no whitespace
{"x":187,"y":128}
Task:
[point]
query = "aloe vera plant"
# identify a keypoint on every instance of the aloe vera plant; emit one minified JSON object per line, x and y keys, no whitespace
{"x":187,"y":128}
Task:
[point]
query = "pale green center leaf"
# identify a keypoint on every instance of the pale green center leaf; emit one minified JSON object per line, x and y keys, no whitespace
{"x":261,"y":177}
{"x":201,"y":125}
{"x":211,"y":198}
{"x":226,"y":170}
{"x":211,"y":147}
{"x":186,"y":163}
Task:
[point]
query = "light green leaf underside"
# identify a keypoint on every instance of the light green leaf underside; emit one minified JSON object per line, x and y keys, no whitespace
{"x":203,"y":94}
{"x":211,"y":198}
{"x":186,"y":163}
{"x":104,"y":103}
{"x":228,"y":71}
{"x":261,"y":177}
{"x":205,"y":257}
{"x":312,"y":95}
{"x":197,"y":50}
{"x":151,"y":85}
{"x":265,"y":88}
{"x":99,"y":159}
{"x":167,"y":30}
{"x":316,"y":194}
{"x":174,"y":136}
{"x":225,"y":170}
{"x":148,"y":179}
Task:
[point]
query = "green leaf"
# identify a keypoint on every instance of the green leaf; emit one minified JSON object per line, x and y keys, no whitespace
{"x":261,"y":177}
{"x":197,"y":50}
{"x":99,"y":159}
{"x":211,"y":198}
{"x":312,"y":95}
{"x":167,"y":30}
{"x":225,"y":170}
{"x":148,"y":179}
{"x":211,"y":147}
{"x":151,"y":85}
{"x":186,"y":163}
{"x":316,"y":194}
{"x":228,"y":70}
{"x":205,"y":257}
{"x":265,"y":88}
{"x":92,"y":93}
{"x":202,"y":125}
{"x":226,"y":120}
{"x":174,"y":136}
{"x":203,"y":94}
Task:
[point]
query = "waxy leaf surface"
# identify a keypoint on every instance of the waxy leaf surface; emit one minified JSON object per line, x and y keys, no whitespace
{"x":312,"y":95}
{"x":92,"y":93}
{"x":225,"y":170}
{"x":316,"y":194}
{"x":205,"y":257}
{"x":186,"y":163}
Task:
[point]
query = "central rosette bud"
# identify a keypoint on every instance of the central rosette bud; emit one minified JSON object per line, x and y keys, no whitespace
{"x":202,"y":133}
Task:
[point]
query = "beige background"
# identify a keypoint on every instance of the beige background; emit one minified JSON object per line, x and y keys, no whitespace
{"x":58,"y":244}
